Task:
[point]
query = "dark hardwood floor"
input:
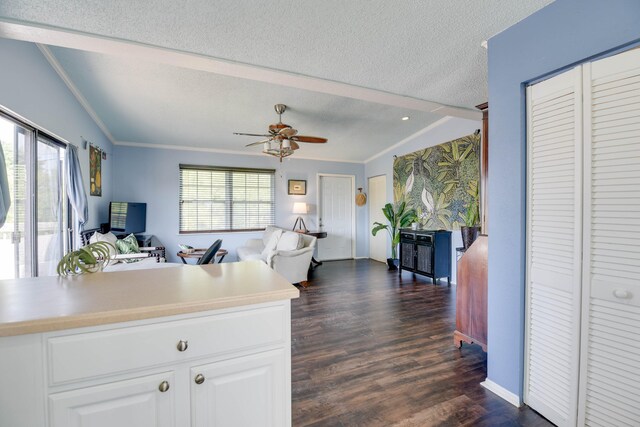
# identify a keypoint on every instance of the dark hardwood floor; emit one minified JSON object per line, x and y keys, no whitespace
{"x":372,"y":349}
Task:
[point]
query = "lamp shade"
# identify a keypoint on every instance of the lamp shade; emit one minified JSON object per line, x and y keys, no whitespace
{"x":299,"y":208}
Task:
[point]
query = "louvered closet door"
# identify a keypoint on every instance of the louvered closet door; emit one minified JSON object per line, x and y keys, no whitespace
{"x":610,"y":393}
{"x":554,"y":229}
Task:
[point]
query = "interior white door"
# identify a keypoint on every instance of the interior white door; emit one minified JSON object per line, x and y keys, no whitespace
{"x":554,"y":246}
{"x":610,"y":376}
{"x":379,"y":243}
{"x":336,"y":210}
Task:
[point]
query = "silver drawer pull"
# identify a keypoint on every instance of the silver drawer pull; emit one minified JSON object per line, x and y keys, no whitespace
{"x":183,"y":345}
{"x":164,"y":386}
{"x":199,"y":379}
{"x":622,"y":293}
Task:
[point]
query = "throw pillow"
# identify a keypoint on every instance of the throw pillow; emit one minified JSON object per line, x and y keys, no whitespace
{"x":128,"y":245}
{"x":268,"y":231}
{"x":272,"y":243}
{"x":289,"y":241}
{"x":109,"y":238}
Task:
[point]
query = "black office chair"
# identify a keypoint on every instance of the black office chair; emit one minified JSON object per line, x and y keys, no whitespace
{"x":210,"y":255}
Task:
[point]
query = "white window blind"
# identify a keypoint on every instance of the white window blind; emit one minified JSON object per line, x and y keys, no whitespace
{"x":225,"y":199}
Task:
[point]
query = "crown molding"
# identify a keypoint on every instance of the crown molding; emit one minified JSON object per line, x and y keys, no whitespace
{"x":409,"y":138}
{"x":74,"y":89}
{"x":223,"y":151}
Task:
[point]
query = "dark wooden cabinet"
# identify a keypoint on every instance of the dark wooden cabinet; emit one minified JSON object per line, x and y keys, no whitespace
{"x":471,"y":295}
{"x":426,"y":252}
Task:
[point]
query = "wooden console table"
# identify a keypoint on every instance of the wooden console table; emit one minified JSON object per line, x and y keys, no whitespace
{"x":317,"y":235}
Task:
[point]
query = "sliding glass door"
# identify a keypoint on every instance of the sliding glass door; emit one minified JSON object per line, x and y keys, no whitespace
{"x":51,"y":224}
{"x":33,"y":237}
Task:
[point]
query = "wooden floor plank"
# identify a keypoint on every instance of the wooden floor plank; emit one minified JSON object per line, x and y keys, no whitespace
{"x":372,"y":348}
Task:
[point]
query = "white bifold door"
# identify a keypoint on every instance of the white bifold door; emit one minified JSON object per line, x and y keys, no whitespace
{"x":582,"y":352}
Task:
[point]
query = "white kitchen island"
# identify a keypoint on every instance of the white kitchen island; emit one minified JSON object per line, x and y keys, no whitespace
{"x":190,"y":346}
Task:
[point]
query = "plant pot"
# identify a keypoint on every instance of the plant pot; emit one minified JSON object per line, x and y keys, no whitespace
{"x":392,"y":263}
{"x":469,"y":235}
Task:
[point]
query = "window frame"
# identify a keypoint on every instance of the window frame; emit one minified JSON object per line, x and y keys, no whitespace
{"x":35,"y":135}
{"x":228,"y":196}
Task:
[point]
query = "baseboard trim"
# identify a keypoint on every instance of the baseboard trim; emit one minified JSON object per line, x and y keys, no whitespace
{"x":502,"y":392}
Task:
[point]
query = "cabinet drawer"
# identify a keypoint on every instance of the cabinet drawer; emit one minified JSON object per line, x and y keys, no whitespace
{"x":93,"y":354}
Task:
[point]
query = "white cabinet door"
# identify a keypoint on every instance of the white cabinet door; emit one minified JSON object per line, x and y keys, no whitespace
{"x":132,"y":403}
{"x":246,"y":391}
{"x":610,"y":391}
{"x":554,"y":246}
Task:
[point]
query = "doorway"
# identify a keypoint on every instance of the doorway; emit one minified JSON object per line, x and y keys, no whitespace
{"x":33,"y":237}
{"x":336,"y":216}
{"x":379,"y":243}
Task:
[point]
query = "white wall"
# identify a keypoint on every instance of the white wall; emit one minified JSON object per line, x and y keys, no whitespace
{"x":442,"y":131}
{"x":31,"y":88}
{"x":151,"y":175}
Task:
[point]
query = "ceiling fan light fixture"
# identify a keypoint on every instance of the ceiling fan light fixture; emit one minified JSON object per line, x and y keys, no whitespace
{"x":285,"y":139}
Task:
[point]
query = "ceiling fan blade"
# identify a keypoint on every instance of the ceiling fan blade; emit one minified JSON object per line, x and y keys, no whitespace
{"x":313,"y":139}
{"x":259,"y":142}
{"x":250,"y":134}
{"x":294,"y":145}
{"x":287,"y":132}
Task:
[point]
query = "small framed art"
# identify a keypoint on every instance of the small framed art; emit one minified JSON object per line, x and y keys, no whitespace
{"x":297,"y":187}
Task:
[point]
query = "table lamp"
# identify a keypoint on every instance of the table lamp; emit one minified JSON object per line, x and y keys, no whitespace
{"x":300,"y":208}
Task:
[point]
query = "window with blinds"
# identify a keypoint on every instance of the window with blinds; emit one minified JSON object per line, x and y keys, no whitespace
{"x":225,"y":199}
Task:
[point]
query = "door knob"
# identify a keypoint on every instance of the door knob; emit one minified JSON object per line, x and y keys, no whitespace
{"x":199,"y":379}
{"x":164,"y":386}
{"x":183,"y":345}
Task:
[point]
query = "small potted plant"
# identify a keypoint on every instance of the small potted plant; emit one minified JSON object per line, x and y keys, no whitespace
{"x":88,"y":259}
{"x":470,"y":229}
{"x":398,"y":217}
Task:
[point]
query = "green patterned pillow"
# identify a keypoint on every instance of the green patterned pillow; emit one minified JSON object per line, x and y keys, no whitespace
{"x":128,"y":245}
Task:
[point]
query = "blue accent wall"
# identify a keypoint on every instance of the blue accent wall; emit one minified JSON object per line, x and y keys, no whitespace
{"x":151,"y":175}
{"x":565,"y":33}
{"x":32,"y":89}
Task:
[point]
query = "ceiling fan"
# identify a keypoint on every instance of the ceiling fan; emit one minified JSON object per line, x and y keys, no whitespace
{"x":282,"y":140}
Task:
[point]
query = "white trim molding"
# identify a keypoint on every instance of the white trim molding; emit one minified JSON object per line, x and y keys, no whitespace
{"x":224,"y":151}
{"x":502,"y":392}
{"x":409,"y":138}
{"x":74,"y":90}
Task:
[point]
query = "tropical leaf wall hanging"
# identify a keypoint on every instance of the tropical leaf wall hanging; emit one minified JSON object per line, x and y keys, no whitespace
{"x":439,"y":182}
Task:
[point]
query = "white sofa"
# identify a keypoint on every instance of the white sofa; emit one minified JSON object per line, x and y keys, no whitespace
{"x":288,"y":253}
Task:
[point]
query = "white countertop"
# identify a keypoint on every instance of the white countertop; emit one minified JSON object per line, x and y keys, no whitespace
{"x":52,"y":303}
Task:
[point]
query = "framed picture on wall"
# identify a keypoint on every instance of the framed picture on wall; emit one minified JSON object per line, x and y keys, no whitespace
{"x":297,"y":187}
{"x":95,"y":171}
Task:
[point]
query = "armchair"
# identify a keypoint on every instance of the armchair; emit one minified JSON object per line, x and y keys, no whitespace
{"x":290,"y":256}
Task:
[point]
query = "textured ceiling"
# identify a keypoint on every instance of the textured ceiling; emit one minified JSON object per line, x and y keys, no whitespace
{"x":424,"y":49}
{"x":150,"y":103}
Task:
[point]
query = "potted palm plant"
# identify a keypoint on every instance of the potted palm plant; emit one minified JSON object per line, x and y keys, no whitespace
{"x":399,"y":217}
